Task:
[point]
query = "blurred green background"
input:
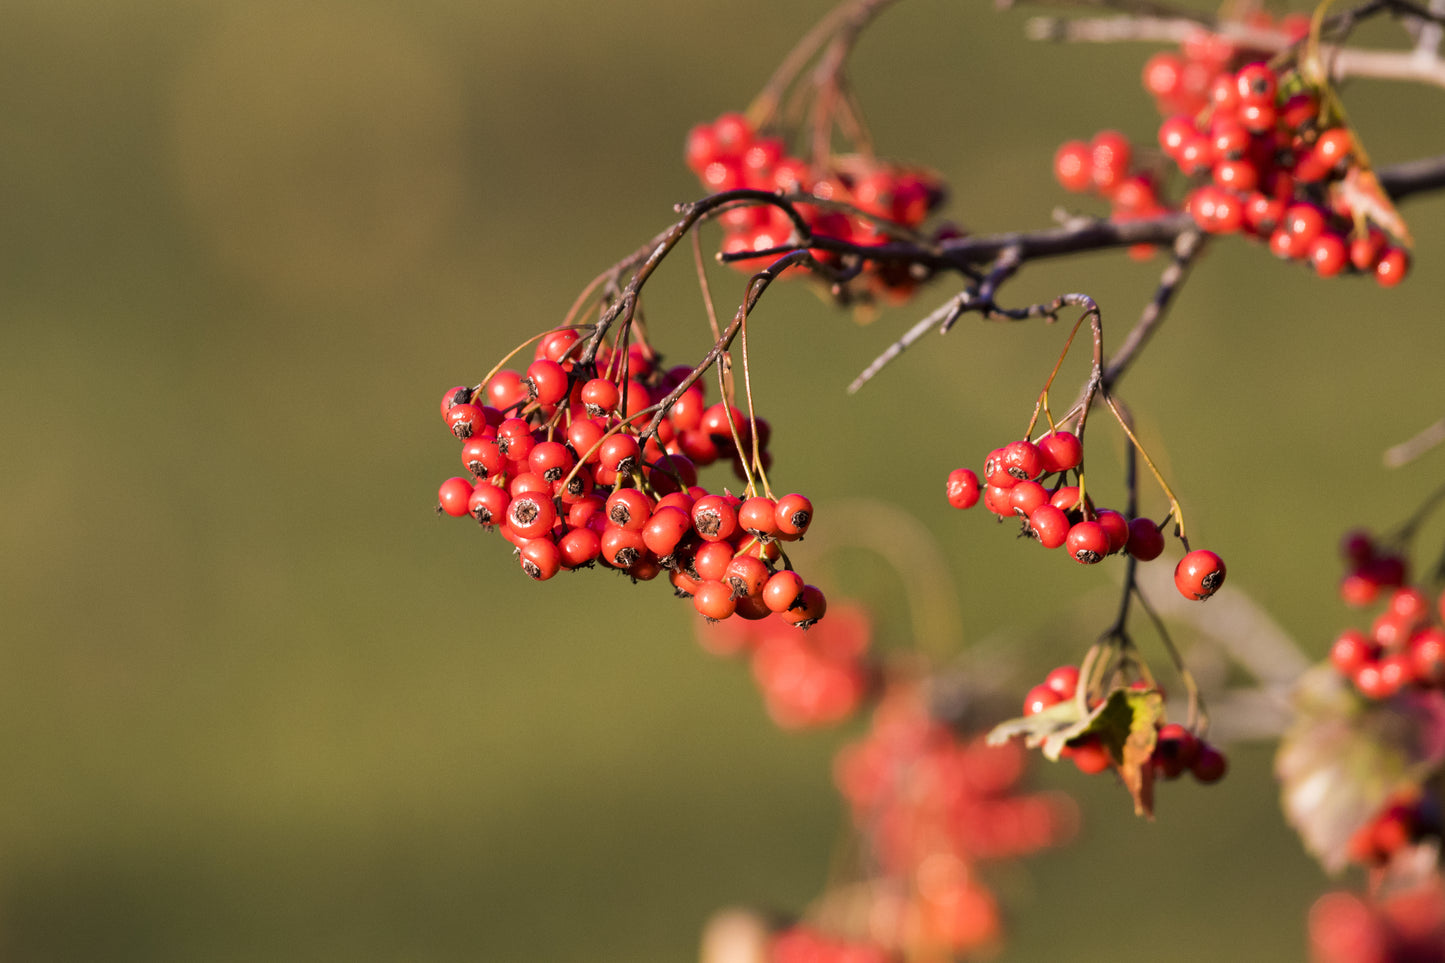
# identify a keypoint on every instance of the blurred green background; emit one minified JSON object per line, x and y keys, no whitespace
{"x":261,"y":705}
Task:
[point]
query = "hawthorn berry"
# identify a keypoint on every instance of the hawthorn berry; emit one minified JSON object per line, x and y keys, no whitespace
{"x":453,"y":495}
{"x":1199,"y":574}
{"x":962,"y":489}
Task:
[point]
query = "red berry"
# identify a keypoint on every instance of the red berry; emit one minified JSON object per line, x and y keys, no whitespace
{"x":758,"y":516}
{"x":793,"y":516}
{"x":1022,"y":460}
{"x":782,"y":590}
{"x":1050,"y":526}
{"x":1199,"y":574}
{"x":453,"y":495}
{"x":541,"y":559}
{"x":714,"y":518}
{"x":1328,"y":254}
{"x":546,"y":381}
{"x":962,"y":488}
{"x":1392,"y":267}
{"x":1210,"y":765}
{"x":488,"y":504}
{"x":1060,"y":451}
{"x":1039,"y":698}
{"x":1109,"y":157}
{"x":1064,"y":680}
{"x":1087,"y":542}
{"x":714,"y":600}
{"x":1115,"y":526}
{"x":1146,"y":542}
{"x":1026,"y":496}
{"x":531,"y":514}
{"x":1072,"y":163}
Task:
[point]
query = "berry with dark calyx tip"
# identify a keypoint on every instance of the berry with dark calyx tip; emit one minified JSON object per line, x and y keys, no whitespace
{"x":1022,"y":460}
{"x":531,"y":514}
{"x":574,"y":486}
{"x":1256,"y":82}
{"x":514,"y":438}
{"x":629,"y":508}
{"x":713,"y":600}
{"x":793,"y":516}
{"x":1199,"y":574}
{"x":600,"y":396}
{"x":963,"y":488}
{"x":809,"y":607}
{"x":1060,"y":451}
{"x":1039,"y":698}
{"x":551,"y":459}
{"x":506,"y":390}
{"x":713,"y":518}
{"x":1146,"y":542}
{"x":995,"y":472}
{"x":488,"y":504}
{"x":1087,"y":542}
{"x":746,"y":574}
{"x":540,"y":558}
{"x":782,"y":590}
{"x":1210,"y":765}
{"x":453,"y":495}
{"x":546,"y":382}
{"x":1049,"y":525}
{"x":482,"y":457}
{"x":1027,"y":496}
{"x":460,"y":395}
{"x":622,"y":547}
{"x":464,"y":420}
{"x":620,"y":453}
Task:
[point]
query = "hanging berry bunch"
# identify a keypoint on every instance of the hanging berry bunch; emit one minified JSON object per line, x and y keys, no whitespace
{"x":1266,"y":147}
{"x":1040,"y":481}
{"x":591,"y":456}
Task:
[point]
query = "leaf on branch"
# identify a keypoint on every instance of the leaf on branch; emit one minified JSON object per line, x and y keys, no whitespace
{"x":1125,"y":723}
{"x":1345,"y":757}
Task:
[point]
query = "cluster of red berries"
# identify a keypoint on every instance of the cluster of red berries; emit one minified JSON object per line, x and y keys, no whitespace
{"x":1404,"y":649}
{"x":556,"y":464}
{"x":1105,"y":166}
{"x":1014,"y":485}
{"x":1274,"y":161}
{"x":728,"y":154}
{"x":1371,"y":569}
{"x":931,"y":805}
{"x":1403,"y":821}
{"x":1177,"y":750}
{"x":1271,"y":159}
{"x":808,"y":679}
{"x":1405,"y":926}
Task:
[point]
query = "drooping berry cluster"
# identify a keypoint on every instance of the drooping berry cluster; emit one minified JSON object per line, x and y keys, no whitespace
{"x":1404,"y":648}
{"x":728,"y":154}
{"x":1030,"y":480}
{"x":557,"y":463}
{"x":931,"y":805}
{"x":808,"y":679}
{"x":1176,"y":749}
{"x":1276,"y":160}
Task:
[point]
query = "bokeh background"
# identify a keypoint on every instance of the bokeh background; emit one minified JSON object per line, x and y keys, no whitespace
{"x":260,"y":704}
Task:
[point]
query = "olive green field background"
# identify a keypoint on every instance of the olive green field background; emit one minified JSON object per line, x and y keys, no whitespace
{"x":257,"y":703}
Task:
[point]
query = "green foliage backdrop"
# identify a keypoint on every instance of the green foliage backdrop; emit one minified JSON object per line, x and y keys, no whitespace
{"x":258,"y":704}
